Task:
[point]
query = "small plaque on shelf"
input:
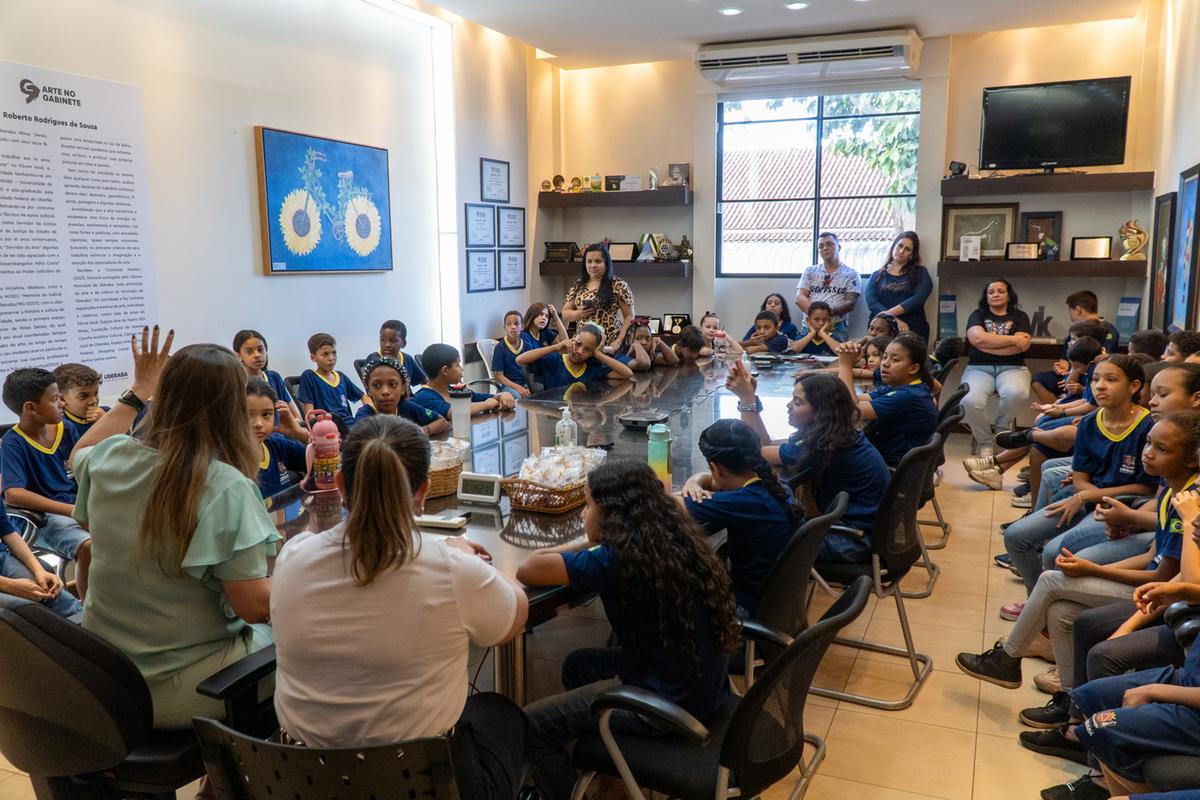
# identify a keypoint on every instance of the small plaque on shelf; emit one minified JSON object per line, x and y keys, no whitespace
{"x":622,"y":251}
{"x":1021,"y":251}
{"x":632,"y":183}
{"x":562,"y":251}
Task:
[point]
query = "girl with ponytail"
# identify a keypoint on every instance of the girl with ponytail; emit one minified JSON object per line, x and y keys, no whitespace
{"x":373,"y":621}
{"x":741,"y":494}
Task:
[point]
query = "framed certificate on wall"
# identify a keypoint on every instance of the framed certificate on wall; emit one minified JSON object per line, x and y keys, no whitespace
{"x":493,"y":180}
{"x":512,"y":269}
{"x":481,"y":271}
{"x":511,"y":226}
{"x":480,"y":225}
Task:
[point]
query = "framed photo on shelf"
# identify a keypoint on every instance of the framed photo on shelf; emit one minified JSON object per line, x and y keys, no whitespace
{"x":677,"y":322}
{"x":512,"y":269}
{"x":480,"y":225}
{"x":1160,"y":259}
{"x":655,"y":325}
{"x":1091,"y":248}
{"x":622,"y":251}
{"x":511,"y":226}
{"x":994,"y":223}
{"x":481,"y":271}
{"x":493,"y":180}
{"x":1181,"y":287}
{"x":1043,"y":227}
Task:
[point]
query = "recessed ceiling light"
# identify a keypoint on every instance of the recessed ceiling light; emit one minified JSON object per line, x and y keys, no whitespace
{"x":795,"y":6}
{"x":730,"y":11}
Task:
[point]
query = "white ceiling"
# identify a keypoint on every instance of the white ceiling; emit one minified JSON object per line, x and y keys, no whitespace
{"x":591,"y":33}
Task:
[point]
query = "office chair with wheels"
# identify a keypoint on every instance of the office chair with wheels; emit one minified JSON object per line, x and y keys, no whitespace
{"x":946,"y":425}
{"x":754,"y":741}
{"x":75,"y":713}
{"x":293,"y":386}
{"x":486,"y":348}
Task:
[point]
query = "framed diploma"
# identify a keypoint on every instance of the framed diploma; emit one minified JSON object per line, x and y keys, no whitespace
{"x":512,"y":269}
{"x":480,"y":225}
{"x":481,"y":271}
{"x":511,"y":226}
{"x":493,"y":180}
{"x":514,"y":451}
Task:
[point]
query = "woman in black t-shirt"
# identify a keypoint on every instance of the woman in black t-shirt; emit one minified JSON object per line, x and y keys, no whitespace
{"x":998,"y":333}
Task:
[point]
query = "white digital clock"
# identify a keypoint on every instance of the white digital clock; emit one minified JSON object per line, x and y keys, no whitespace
{"x":475,"y":487}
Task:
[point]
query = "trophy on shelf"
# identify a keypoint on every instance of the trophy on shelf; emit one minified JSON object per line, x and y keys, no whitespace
{"x":1133,"y":240}
{"x":559,"y":182}
{"x":653,"y":182}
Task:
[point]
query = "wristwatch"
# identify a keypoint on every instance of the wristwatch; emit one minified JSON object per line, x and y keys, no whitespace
{"x":132,"y":400}
{"x":755,"y":406}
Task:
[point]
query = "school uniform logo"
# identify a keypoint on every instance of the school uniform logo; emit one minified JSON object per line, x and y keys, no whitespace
{"x":1128,"y":464}
{"x":1101,"y":719}
{"x":1176,"y":526}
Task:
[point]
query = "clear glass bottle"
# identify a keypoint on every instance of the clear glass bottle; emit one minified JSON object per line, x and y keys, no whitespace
{"x":566,"y":431}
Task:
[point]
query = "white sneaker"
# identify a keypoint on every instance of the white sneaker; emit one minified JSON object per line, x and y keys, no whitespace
{"x":989,"y":477}
{"x":1021,"y":501}
{"x":978,"y":462}
{"x":1048,"y":682}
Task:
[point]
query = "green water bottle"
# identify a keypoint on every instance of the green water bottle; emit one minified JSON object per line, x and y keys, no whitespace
{"x":658,"y":452}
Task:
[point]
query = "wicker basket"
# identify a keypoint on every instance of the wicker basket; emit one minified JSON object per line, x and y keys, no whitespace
{"x":443,"y":482}
{"x":530,"y":496}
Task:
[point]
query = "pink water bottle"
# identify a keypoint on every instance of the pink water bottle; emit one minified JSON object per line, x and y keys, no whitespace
{"x":324,"y":450}
{"x":720,"y":345}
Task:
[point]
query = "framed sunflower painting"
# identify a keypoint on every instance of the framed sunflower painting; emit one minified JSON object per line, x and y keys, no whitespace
{"x":323,"y":204}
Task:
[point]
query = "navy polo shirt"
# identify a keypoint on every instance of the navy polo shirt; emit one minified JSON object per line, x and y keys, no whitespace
{"x":858,"y":470}
{"x":788,"y":329}
{"x":905,"y":417}
{"x":1168,"y":529}
{"x":6,"y":527}
{"x":25,"y":464}
{"x":405,"y":408}
{"x":79,"y":426}
{"x":279,"y":456}
{"x":333,"y":397}
{"x":646,"y":661}
{"x":819,"y":347}
{"x":429,"y":399}
{"x":555,"y":371}
{"x":416,"y":375}
{"x":1112,"y":460}
{"x":504,"y":361}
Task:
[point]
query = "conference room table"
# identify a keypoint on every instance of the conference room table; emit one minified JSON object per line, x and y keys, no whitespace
{"x":691,"y":396}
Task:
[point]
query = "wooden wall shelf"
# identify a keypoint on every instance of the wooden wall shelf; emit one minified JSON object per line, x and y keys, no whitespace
{"x":623,"y":269}
{"x":1042,"y":269}
{"x":1059,"y":182}
{"x":664,"y":196}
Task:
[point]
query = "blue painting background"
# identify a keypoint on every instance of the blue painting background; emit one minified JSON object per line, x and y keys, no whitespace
{"x":283,"y":157}
{"x":1181,"y":270}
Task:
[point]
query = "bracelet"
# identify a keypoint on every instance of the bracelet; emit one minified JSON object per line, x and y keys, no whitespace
{"x":756,"y":406}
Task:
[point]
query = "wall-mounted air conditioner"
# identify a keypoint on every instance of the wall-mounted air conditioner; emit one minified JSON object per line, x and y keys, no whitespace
{"x":811,"y":59}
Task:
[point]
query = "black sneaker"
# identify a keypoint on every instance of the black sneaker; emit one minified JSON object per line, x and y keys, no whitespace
{"x":1082,"y":788}
{"x":1054,"y":714}
{"x":1013,"y":440}
{"x":994,"y":666}
{"x":1021,"y":489}
{"x":1054,"y":743}
{"x":1002,"y":559}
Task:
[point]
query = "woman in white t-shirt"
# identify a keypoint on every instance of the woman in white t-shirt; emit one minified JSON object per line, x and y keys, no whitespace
{"x":373,"y":621}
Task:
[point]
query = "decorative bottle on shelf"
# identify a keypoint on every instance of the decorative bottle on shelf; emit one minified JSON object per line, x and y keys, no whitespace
{"x":566,"y":431}
{"x":658,"y":452}
{"x":324,"y":454}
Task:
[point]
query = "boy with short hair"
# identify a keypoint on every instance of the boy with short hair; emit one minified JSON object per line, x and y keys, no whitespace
{"x":22,"y":575}
{"x":393,"y":338}
{"x":1082,"y":306}
{"x":445,"y":370}
{"x":327,"y":388}
{"x":79,"y":385}
{"x":1180,"y":345}
{"x":691,"y":345}
{"x":766,"y":337}
{"x":817,"y":339}
{"x":33,"y":465}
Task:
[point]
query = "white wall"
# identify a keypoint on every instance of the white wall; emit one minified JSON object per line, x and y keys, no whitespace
{"x":1177,"y":145}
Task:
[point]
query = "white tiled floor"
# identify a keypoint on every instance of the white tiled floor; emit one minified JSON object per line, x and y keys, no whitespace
{"x":959,"y":740}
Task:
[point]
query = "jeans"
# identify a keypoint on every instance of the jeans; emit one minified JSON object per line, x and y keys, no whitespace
{"x":1025,"y":538}
{"x":488,"y":747}
{"x":64,"y":605}
{"x":1054,"y":603}
{"x":1097,"y":656}
{"x":61,"y":536}
{"x":1092,"y":542}
{"x":556,"y":721}
{"x":1010,"y":382}
{"x":1053,"y":472}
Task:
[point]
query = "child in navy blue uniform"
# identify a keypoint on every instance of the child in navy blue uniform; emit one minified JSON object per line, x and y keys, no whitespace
{"x":387,"y":386}
{"x":23,"y":576}
{"x":282,"y":452}
{"x":541,"y":326}
{"x":668,"y":599}
{"x":251,"y":348}
{"x":817,"y":338}
{"x":445,"y":370}
{"x":828,"y":451}
{"x":766,"y":337}
{"x":576,"y":360}
{"x":505,"y":368}
{"x":393,"y":338}
{"x":691,"y":346}
{"x":79,"y":386}
{"x":644,"y":350}
{"x":326,"y":388}
{"x":901,"y":413}
{"x":33,"y":465}
{"x":741,"y":494}
{"x":777,"y":305}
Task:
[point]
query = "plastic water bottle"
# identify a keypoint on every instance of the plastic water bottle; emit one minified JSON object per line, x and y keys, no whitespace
{"x":566,"y":432}
{"x":658,"y":452}
{"x":324,"y":453}
{"x":460,"y":410}
{"x":720,"y":345}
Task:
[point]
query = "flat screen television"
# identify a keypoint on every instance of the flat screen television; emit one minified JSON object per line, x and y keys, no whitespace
{"x":1048,"y":125}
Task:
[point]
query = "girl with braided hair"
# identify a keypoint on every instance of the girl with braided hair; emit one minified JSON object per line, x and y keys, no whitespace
{"x":669,"y":601}
{"x":741,"y":494}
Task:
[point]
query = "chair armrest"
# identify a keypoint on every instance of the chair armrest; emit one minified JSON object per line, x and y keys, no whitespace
{"x":760,"y":633}
{"x":1134,"y":500}
{"x":35,"y":518}
{"x":647,"y":704}
{"x":1187,"y":632}
{"x":1179,"y":613}
{"x":497,"y":385}
{"x":239,"y":676}
{"x":848,"y":531}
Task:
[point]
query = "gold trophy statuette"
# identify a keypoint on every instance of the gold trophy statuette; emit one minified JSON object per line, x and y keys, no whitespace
{"x":1133,"y":240}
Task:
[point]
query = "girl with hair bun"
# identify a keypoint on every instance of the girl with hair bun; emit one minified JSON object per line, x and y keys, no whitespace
{"x":741,"y":494}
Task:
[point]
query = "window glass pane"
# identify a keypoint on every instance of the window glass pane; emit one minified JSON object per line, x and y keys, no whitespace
{"x":766,"y":238}
{"x":869,"y":155}
{"x":866,"y":227}
{"x":873,"y":103}
{"x":769,"y":160}
{"x":770,"y":108}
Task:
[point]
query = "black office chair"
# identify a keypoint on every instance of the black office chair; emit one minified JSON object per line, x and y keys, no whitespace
{"x":947,"y":424}
{"x":292,"y":382}
{"x":783,"y":598}
{"x":1177,"y":773}
{"x":359,"y":363}
{"x":953,"y":401}
{"x":241,"y":767}
{"x":943,"y":373}
{"x":895,"y":548}
{"x":754,"y":742}
{"x":76,"y":715}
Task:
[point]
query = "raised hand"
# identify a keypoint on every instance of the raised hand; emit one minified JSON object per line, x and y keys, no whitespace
{"x":149,"y":359}
{"x":740,"y":382}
